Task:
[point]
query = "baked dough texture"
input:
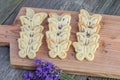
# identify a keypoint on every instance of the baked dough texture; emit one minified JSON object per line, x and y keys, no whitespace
{"x":89,"y":26}
{"x":58,"y":35}
{"x":31,"y":33}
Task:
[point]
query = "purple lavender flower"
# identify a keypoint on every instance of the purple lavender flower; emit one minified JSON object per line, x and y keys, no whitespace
{"x":28,"y":75}
{"x":44,"y":71}
{"x":38,"y":62}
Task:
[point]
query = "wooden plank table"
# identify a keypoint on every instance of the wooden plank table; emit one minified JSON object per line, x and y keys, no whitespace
{"x":96,"y":6}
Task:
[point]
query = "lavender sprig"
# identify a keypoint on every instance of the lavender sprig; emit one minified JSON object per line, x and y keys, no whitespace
{"x":44,"y":71}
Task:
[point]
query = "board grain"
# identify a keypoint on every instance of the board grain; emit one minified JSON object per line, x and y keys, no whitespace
{"x":107,"y":56}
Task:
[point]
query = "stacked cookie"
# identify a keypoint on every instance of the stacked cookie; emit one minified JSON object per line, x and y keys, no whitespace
{"x":31,"y":33}
{"x":87,"y":36}
{"x":58,"y":35}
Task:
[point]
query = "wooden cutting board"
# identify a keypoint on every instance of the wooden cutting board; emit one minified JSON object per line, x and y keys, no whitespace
{"x":107,"y":56}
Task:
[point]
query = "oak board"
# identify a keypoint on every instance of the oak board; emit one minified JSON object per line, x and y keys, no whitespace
{"x":107,"y":56}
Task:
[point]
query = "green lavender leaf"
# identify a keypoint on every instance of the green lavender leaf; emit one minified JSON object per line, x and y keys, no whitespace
{"x":65,"y":76}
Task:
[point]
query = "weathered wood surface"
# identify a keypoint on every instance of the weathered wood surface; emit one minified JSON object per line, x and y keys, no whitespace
{"x":96,"y":6}
{"x":7,"y":7}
